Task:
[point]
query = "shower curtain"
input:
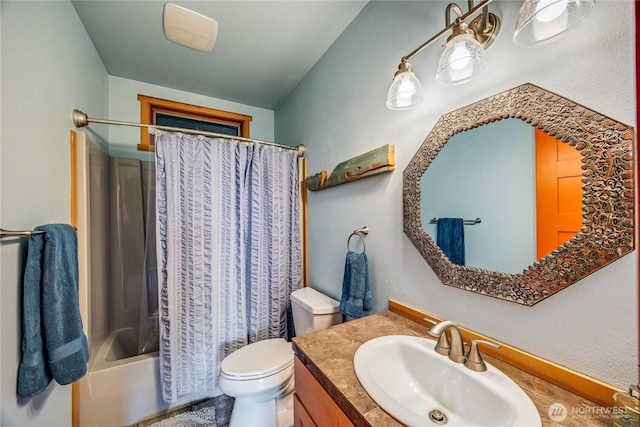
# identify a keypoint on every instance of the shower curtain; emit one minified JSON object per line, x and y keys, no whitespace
{"x":229,"y":253}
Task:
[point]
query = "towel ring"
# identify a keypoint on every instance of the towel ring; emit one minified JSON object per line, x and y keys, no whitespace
{"x":359,"y":232}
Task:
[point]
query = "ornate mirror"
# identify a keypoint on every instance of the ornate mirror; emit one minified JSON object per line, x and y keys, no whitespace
{"x":605,"y":197}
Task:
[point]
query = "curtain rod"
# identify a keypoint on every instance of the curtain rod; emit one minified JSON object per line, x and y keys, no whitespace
{"x":81,"y":120}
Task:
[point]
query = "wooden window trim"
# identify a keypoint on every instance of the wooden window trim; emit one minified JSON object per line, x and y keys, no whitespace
{"x":150,"y":105}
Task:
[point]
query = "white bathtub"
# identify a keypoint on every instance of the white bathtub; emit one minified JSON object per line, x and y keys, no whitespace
{"x":123,"y":392}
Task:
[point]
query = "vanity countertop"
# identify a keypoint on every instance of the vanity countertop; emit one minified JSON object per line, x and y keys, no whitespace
{"x":328,"y":354}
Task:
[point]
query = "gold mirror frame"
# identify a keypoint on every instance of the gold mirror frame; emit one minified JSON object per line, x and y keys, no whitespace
{"x":607,"y":233}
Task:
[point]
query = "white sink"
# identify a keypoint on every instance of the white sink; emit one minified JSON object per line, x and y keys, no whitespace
{"x":408,"y":379}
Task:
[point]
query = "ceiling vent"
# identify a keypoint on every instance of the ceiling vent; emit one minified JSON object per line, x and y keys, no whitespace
{"x":189,"y":28}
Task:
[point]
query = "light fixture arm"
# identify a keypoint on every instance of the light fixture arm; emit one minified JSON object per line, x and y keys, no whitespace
{"x":457,"y":10}
{"x":448,"y":27}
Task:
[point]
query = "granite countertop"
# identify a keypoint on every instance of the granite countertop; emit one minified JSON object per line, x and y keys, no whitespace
{"x":328,"y":354}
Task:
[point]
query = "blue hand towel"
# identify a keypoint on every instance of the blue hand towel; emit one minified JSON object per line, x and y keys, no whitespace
{"x":51,"y":314}
{"x":450,"y":238}
{"x":356,"y":287}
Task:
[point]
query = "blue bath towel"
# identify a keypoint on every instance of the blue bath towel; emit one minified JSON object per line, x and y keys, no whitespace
{"x":450,"y":238}
{"x":356,"y":298}
{"x":53,"y":342}
{"x":34,"y":374}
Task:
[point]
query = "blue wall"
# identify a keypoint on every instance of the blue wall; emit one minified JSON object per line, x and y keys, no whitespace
{"x":49,"y":67}
{"x":338,"y":111}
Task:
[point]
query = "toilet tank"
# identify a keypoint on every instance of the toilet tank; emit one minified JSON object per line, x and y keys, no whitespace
{"x":313,"y":311}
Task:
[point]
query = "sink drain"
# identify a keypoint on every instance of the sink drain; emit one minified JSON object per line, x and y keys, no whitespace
{"x":437,"y":417}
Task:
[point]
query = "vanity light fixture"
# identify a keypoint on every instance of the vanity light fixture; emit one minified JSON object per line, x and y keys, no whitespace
{"x":541,"y":21}
{"x":462,"y":59}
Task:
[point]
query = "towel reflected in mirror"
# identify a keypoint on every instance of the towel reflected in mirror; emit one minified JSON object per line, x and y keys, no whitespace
{"x":450,"y":238}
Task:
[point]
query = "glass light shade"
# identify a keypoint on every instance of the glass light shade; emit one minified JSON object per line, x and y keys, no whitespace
{"x":405,"y":91}
{"x":462,"y":60}
{"x":541,"y":21}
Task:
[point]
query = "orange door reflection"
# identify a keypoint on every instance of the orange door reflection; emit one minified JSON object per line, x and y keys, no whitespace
{"x":558,"y":193}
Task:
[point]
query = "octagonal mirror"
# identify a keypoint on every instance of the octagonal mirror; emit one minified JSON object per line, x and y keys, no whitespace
{"x":486,"y":164}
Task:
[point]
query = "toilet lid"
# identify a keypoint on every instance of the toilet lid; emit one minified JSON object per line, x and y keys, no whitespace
{"x":258,"y":359}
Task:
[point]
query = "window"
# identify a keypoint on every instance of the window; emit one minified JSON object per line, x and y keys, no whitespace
{"x":177,"y":114}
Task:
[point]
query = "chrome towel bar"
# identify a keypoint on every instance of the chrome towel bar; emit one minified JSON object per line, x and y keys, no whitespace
{"x":21,"y":233}
{"x":464,"y":221}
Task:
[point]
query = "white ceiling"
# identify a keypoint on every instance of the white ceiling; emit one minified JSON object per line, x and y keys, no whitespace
{"x":264,"y":48}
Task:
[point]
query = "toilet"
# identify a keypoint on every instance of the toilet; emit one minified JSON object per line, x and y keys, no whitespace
{"x":260,"y":375}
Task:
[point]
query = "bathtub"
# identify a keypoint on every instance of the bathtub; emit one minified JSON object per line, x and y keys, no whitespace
{"x":121,"y":392}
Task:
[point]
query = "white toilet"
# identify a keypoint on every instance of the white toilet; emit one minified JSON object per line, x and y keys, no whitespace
{"x":260,"y":375}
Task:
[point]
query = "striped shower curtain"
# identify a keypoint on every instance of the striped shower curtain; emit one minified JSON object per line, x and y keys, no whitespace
{"x":229,"y":253}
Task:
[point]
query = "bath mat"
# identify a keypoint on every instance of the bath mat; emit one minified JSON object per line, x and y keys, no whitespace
{"x":202,"y":417}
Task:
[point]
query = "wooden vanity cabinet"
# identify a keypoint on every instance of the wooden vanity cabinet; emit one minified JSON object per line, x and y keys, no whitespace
{"x":312,"y":405}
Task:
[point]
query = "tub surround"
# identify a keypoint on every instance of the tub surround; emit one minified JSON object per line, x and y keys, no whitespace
{"x":328,"y":356}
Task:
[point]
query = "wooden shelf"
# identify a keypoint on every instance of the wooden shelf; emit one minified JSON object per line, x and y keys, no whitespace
{"x":374,"y":162}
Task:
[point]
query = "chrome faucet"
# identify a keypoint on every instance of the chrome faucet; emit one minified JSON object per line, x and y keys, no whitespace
{"x":473,"y":360}
{"x":456,"y":349}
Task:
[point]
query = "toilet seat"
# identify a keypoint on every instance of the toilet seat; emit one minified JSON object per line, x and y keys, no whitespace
{"x":258,"y":360}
